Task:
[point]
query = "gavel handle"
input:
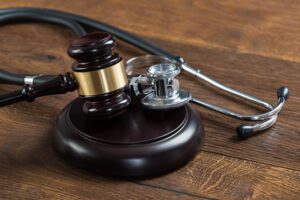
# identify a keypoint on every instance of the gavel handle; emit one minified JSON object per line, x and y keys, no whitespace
{"x":58,"y":85}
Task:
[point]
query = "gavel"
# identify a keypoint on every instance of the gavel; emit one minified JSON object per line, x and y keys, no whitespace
{"x":98,"y":75}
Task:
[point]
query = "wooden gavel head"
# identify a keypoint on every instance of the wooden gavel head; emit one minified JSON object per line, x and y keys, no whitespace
{"x":100,"y":75}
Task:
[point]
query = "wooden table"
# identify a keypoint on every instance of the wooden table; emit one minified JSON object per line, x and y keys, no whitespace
{"x":253,"y":46}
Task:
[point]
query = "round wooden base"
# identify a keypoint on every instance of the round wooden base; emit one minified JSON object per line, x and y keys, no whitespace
{"x":139,"y":142}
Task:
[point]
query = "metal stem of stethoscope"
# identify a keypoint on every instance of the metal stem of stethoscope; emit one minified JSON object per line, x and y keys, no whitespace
{"x":243,"y":130}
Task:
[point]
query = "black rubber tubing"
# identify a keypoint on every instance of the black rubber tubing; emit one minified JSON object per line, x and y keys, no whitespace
{"x":119,"y":33}
{"x":18,"y":79}
{"x":10,"y":78}
{"x":73,"y":22}
{"x":35,"y":17}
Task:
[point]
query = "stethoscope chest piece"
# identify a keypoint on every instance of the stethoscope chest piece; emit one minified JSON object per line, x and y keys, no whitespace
{"x":166,"y":93}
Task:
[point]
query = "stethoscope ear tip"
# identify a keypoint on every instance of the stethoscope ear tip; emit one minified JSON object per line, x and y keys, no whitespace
{"x":244,"y":131}
{"x":283,"y":92}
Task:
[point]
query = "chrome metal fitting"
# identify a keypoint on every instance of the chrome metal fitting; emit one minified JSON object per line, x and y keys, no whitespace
{"x":166,"y":93}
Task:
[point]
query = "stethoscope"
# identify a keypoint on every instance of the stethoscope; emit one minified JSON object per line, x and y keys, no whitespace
{"x":158,"y":84}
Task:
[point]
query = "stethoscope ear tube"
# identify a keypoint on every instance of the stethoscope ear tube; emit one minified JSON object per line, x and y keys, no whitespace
{"x":245,"y":131}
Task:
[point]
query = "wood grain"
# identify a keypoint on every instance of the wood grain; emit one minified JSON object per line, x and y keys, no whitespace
{"x":212,"y":175}
{"x":252,"y":46}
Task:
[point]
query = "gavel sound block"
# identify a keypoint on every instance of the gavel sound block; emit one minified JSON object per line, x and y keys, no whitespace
{"x":106,"y":129}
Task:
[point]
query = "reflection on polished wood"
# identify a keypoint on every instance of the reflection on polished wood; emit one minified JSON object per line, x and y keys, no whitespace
{"x":251,"y":45}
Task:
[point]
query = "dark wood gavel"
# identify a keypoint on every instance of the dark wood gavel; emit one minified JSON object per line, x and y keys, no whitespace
{"x":98,"y":74}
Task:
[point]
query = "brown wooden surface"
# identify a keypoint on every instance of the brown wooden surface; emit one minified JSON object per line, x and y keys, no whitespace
{"x":253,"y":46}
